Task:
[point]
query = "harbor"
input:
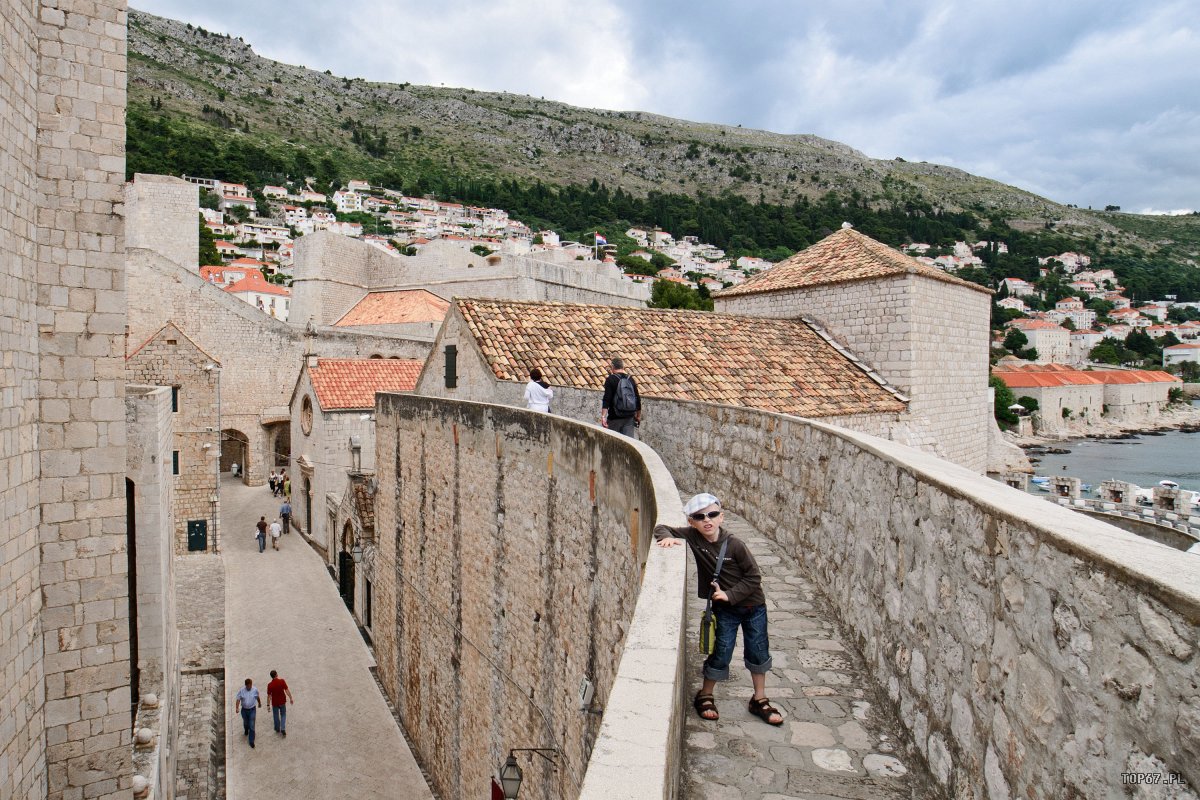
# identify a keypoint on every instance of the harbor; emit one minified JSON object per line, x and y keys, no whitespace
{"x":1148,"y":482}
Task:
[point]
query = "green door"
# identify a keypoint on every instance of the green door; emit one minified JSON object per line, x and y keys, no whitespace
{"x":197,"y":534}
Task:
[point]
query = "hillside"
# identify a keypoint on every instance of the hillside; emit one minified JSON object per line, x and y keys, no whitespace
{"x":206,"y":104}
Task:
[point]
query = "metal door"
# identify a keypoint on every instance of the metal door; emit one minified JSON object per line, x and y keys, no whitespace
{"x":197,"y":534}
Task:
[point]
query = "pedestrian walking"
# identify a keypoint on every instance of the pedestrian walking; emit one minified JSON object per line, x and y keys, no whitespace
{"x":538,"y":393}
{"x":621,"y":408}
{"x":287,"y":487}
{"x":261,"y":533}
{"x":278,"y":696}
{"x":247,"y":704}
{"x":285,"y":514}
{"x":272,"y":481}
{"x":276,"y":529}
{"x":233,"y":469}
{"x":728,"y":575}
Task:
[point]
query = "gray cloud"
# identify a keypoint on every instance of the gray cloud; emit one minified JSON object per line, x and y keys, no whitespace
{"x":1085,"y":101}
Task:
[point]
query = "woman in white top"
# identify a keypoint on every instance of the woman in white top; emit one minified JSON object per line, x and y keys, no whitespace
{"x":537,"y":392}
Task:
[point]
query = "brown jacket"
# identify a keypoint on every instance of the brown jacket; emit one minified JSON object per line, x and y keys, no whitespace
{"x":739,"y":578}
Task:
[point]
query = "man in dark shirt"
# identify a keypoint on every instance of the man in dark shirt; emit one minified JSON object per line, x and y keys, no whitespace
{"x":612,"y":416}
{"x":738,"y":602}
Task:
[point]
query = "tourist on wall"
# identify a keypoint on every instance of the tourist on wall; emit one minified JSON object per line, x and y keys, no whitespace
{"x":621,"y":408}
{"x":261,"y":533}
{"x":278,"y":696}
{"x":276,"y":529}
{"x":247,"y":704}
{"x":285,"y":514}
{"x":538,"y":393}
{"x":737,"y":602}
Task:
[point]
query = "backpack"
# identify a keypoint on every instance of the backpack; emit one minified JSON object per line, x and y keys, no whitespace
{"x":625,"y":399}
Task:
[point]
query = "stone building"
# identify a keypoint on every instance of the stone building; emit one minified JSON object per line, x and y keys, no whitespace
{"x":922,"y":329}
{"x":169,"y":358}
{"x":333,"y":437}
{"x":334,"y":273}
{"x":413,"y":313}
{"x":65,"y":699}
{"x":486,"y":348}
{"x":1068,"y":398}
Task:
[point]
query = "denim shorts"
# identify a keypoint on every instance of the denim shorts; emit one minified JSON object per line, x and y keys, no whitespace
{"x":755,"y":646}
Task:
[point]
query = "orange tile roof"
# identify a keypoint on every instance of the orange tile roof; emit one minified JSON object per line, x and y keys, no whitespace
{"x":254,"y":282}
{"x":394,"y":308}
{"x":1025,"y":376}
{"x":351,"y":383}
{"x":843,"y":256}
{"x":772,"y":364}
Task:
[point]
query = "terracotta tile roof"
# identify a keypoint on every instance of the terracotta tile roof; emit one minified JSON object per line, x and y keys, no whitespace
{"x":1025,"y":376}
{"x":771,"y":364}
{"x":846,"y":255}
{"x":351,"y":383}
{"x":255,"y":282}
{"x":364,"y":501}
{"x":394,"y":308}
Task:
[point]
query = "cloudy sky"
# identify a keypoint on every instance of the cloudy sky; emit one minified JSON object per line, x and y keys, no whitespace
{"x":1092,"y":102}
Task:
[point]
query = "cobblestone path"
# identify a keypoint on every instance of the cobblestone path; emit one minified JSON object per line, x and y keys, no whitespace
{"x":283,"y":612}
{"x":833,"y":743}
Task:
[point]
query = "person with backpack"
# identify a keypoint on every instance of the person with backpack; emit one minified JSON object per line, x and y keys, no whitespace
{"x":621,"y":408}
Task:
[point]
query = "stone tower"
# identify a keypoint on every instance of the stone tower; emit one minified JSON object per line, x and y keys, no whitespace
{"x":65,"y":700}
{"x":922,"y":329}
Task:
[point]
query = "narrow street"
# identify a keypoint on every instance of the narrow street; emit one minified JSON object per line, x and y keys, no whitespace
{"x":283,"y":612}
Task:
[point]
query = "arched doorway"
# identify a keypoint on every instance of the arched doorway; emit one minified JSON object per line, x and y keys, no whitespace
{"x":235,"y":449}
{"x":308,"y":528}
{"x":346,"y":567}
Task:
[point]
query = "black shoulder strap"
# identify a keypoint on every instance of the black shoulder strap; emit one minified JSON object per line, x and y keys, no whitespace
{"x":717,"y":573}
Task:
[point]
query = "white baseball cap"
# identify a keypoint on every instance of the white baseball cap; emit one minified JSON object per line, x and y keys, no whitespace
{"x":700,"y":501}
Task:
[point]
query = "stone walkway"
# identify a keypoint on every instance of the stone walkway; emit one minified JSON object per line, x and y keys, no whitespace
{"x":833,"y":743}
{"x":283,"y":612}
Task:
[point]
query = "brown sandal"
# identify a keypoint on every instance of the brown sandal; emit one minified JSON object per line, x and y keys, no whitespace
{"x":705,"y":703}
{"x":763,"y":709}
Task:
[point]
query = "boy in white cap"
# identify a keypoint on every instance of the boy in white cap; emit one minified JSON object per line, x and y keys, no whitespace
{"x":738,"y":602}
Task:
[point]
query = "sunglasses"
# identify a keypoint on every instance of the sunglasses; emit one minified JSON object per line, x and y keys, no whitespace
{"x":700,"y":516}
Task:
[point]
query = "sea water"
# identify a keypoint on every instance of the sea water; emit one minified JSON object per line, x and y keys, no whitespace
{"x":1144,"y":461}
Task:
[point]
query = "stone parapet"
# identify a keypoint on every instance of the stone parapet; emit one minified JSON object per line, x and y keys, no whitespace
{"x":1029,"y":651}
{"x":511,"y":546}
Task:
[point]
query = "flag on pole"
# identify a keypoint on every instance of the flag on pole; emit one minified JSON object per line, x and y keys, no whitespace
{"x":600,"y":239}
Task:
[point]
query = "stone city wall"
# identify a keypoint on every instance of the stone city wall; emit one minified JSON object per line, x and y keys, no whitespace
{"x":1133,"y":402}
{"x":1084,"y":402}
{"x":260,"y":356}
{"x":510,"y":550}
{"x":153,"y":203}
{"x":149,"y":421}
{"x":80,"y":447}
{"x":1029,"y":651}
{"x":22,"y":693}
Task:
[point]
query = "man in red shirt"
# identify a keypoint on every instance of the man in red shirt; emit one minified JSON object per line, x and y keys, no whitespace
{"x":278,"y":696}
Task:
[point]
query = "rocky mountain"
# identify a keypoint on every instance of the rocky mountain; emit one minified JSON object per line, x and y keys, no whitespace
{"x":202,"y":74}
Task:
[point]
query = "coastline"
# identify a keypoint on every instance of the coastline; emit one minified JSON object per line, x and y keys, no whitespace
{"x":1173,"y":418}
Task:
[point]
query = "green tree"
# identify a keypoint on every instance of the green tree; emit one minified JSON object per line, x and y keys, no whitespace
{"x":1140,"y":342}
{"x":208,"y":255}
{"x":1004,"y":399}
{"x":1029,"y":403}
{"x":1107,"y":352}
{"x":668,"y":294}
{"x":1015,"y":340}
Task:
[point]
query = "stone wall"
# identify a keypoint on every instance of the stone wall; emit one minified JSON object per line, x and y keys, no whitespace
{"x":149,"y":421}
{"x":80,"y":443}
{"x":1134,"y":402}
{"x":260,"y":357}
{"x":1029,"y":651}
{"x":334,"y":272}
{"x":510,"y":547}
{"x":170,"y":359}
{"x":22,"y":693}
{"x":1085,"y":402}
{"x":162,"y":213}
{"x":928,"y":338}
